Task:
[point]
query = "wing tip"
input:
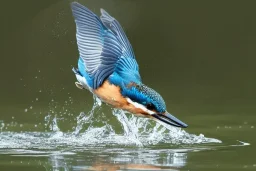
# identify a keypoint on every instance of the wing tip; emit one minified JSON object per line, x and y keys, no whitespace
{"x":105,"y":15}
{"x":102,"y":10}
{"x":75,"y":4}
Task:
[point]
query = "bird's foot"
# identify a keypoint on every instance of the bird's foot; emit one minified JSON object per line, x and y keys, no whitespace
{"x":79,"y":85}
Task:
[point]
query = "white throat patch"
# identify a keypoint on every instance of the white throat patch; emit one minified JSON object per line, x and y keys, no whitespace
{"x":137,"y":105}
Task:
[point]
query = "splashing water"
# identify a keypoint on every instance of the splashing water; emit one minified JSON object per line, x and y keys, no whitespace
{"x":83,"y":119}
{"x":135,"y":131}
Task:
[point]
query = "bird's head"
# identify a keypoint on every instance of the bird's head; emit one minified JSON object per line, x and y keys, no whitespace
{"x":151,"y":104}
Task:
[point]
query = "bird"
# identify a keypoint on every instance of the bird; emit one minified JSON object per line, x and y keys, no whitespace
{"x":108,"y":69}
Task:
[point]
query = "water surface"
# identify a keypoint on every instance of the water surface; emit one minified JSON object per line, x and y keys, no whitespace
{"x":199,"y":55}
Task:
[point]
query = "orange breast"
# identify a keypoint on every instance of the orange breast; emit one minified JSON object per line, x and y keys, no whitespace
{"x":111,"y":94}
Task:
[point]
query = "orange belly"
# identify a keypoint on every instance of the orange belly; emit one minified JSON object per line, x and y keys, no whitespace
{"x":111,"y":94}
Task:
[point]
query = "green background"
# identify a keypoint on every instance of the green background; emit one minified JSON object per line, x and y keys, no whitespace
{"x":199,"y":55}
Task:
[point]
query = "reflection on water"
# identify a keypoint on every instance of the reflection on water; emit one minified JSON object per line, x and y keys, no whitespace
{"x":101,"y":159}
{"x":119,"y":159}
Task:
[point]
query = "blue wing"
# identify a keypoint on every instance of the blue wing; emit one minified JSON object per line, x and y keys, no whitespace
{"x":103,"y":46}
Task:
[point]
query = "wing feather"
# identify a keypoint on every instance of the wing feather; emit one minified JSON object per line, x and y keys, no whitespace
{"x":101,"y":44}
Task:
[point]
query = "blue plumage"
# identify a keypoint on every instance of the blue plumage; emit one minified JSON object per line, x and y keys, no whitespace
{"x":106,"y":53}
{"x":142,"y":94}
{"x":106,"y":56}
{"x":82,"y":72}
{"x":101,"y":43}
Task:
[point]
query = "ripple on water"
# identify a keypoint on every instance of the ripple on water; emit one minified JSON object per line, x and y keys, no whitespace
{"x":136,"y":131}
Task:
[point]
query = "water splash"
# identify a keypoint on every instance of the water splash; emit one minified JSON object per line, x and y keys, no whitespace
{"x":134,"y":131}
{"x":143,"y":131}
{"x":82,"y":119}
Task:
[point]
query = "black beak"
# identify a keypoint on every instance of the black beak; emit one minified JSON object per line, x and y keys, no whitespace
{"x":171,"y":120}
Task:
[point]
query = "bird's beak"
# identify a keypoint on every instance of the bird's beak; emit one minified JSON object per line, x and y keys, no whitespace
{"x":170,"y":119}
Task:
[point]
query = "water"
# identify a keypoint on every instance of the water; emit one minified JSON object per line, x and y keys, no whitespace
{"x":136,"y":131}
{"x":141,"y":145}
{"x":199,"y":55}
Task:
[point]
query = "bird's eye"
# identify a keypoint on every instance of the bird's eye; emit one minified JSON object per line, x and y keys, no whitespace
{"x":150,"y":106}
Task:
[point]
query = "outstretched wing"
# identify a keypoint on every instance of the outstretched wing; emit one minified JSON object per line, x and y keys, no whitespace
{"x":102,"y":44}
{"x":113,"y":25}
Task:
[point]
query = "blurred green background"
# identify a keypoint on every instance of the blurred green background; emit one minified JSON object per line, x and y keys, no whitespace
{"x":199,"y":55}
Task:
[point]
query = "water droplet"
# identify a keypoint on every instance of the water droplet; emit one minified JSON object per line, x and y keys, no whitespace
{"x":40,"y":91}
{"x":35,"y":126}
{"x":12,"y":117}
{"x":252,"y":126}
{"x":31,"y":107}
{"x":35,"y":77}
{"x":37,"y":99}
{"x":26,"y":110}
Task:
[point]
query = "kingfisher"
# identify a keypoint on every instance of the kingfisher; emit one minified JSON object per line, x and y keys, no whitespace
{"x":108,"y":69}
